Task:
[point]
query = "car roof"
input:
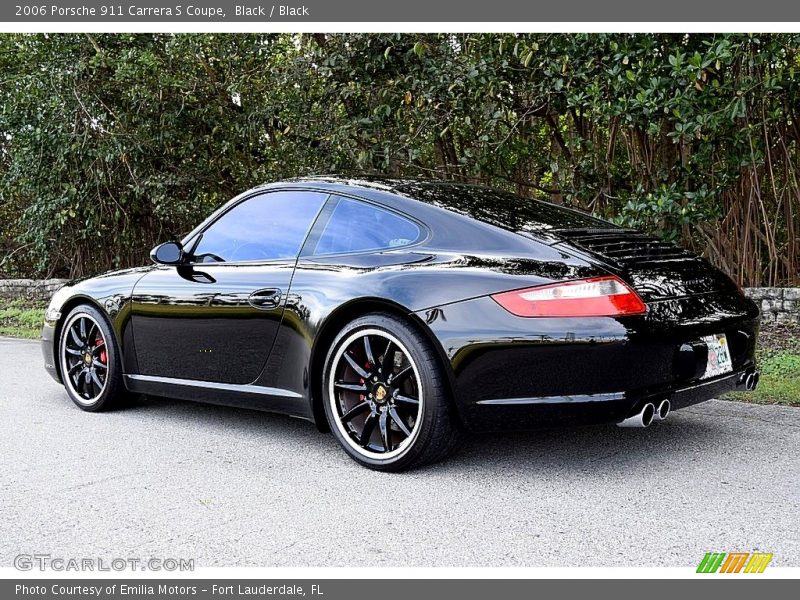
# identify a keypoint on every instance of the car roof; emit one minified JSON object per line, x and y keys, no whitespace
{"x":481,"y":203}
{"x":459,"y":217}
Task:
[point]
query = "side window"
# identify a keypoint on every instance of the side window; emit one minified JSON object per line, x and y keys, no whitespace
{"x":357,"y":226}
{"x":266,"y":227}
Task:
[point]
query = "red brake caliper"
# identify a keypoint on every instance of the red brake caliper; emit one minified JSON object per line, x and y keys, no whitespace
{"x":100,"y":342}
{"x":367,"y":366}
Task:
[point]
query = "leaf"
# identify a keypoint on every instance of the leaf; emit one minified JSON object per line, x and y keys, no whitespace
{"x":526,"y":60}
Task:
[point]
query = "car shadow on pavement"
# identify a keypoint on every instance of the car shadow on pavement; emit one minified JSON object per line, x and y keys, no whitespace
{"x":683,"y":437}
{"x":595,"y":448}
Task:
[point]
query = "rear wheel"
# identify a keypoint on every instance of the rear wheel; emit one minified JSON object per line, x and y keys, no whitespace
{"x":90,"y":360}
{"x":385,"y":396}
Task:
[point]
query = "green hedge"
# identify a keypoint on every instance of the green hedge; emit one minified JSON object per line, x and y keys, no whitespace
{"x":111,"y":143}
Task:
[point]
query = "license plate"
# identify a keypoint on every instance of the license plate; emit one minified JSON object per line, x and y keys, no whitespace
{"x":719,"y":356}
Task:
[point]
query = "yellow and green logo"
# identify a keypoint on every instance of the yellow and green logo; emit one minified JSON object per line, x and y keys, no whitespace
{"x":734,"y":562}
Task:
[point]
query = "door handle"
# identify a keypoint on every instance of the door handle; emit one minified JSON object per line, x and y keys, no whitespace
{"x":265,"y":299}
{"x":199,"y":277}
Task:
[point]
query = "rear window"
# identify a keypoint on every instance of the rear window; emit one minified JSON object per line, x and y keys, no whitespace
{"x":356,"y":226}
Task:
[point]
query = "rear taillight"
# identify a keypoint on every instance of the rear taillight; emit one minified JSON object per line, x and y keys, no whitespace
{"x":606,"y":296}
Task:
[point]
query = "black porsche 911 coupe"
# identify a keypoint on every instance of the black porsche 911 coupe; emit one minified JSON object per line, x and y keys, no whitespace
{"x":400,"y":313}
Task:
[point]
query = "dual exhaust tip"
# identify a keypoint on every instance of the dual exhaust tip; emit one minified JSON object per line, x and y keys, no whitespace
{"x":751,"y":380}
{"x":647,"y":414}
{"x":650,"y":412}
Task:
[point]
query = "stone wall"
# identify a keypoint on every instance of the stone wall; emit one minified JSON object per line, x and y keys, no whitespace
{"x":778,"y":305}
{"x":32,"y":289}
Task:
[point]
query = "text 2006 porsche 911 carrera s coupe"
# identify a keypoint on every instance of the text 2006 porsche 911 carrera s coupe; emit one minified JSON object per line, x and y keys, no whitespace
{"x":399,"y":313}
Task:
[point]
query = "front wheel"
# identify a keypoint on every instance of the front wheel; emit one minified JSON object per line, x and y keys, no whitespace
{"x":385,"y":396}
{"x":90,"y":360}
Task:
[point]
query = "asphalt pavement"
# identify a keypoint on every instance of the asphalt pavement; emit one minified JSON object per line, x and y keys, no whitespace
{"x":230,"y":487}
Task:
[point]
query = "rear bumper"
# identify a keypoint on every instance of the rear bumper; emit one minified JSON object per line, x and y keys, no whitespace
{"x":613,"y":407}
{"x":511,"y":373}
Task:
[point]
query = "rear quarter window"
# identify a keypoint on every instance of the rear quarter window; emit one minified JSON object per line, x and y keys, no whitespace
{"x":356,"y":226}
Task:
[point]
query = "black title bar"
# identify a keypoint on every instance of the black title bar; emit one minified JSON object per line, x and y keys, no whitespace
{"x":338,"y":11}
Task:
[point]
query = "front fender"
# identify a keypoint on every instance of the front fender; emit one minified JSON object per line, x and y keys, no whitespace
{"x":111,"y":293}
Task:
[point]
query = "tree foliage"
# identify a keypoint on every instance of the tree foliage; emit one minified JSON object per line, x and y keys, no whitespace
{"x":111,"y":143}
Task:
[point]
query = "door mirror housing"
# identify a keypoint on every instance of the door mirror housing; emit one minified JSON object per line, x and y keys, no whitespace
{"x":168,"y":253}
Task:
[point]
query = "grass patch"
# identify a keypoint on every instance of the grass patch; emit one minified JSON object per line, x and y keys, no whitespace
{"x":21,"y":317}
{"x":778,"y":359}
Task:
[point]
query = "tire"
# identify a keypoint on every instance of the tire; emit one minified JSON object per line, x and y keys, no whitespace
{"x":90,"y":361}
{"x":386,"y":399}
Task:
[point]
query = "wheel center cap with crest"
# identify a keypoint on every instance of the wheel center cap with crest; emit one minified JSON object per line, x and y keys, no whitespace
{"x":380,"y":393}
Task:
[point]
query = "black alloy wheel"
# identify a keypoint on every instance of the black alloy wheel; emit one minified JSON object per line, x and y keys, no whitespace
{"x":385,"y":397}
{"x":89,"y":359}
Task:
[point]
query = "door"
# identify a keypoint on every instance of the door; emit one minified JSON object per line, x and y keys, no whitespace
{"x":321,"y":282}
{"x":215,"y":318}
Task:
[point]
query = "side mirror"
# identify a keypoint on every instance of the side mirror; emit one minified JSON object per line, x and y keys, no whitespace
{"x":168,"y":253}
